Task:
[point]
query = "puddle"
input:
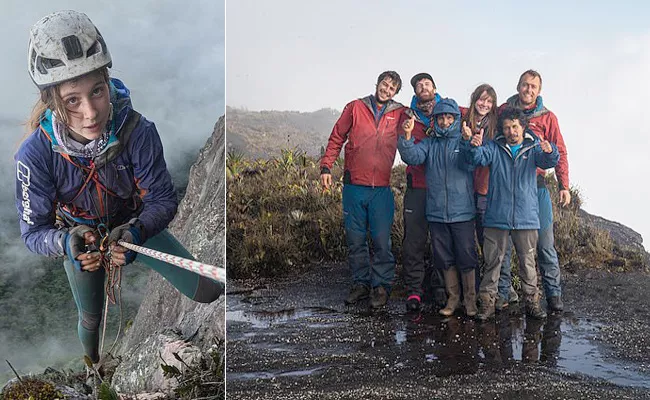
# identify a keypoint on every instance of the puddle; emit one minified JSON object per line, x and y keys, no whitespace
{"x":565,"y":344}
{"x":454,"y":346}
{"x":242,"y":376}
{"x":266,"y":319}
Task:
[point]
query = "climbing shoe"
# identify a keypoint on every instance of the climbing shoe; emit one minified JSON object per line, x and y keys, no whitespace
{"x":555,"y":303}
{"x":413,"y":303}
{"x":358,"y":292}
{"x":378,"y":297}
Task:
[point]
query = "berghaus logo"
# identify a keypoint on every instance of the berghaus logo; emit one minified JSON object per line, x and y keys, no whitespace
{"x":23,"y":174}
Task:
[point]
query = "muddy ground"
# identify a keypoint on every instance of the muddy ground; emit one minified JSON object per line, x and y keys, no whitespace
{"x":295,"y":339}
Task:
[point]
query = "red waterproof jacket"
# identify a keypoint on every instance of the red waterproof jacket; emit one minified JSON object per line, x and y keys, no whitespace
{"x":481,"y":174}
{"x":371,"y":144}
{"x":544,"y":124}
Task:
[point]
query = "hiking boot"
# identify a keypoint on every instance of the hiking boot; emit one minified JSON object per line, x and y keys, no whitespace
{"x":513,"y":297}
{"x":555,"y":303}
{"x":534,"y":308}
{"x":469,"y":293}
{"x":378,"y":297}
{"x":501,"y":303}
{"x":413,"y":303}
{"x":486,"y":309}
{"x":358,"y":292}
{"x":453,"y":292}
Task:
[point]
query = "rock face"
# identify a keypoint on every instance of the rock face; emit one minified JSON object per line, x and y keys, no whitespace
{"x":619,"y":233}
{"x":166,"y":319}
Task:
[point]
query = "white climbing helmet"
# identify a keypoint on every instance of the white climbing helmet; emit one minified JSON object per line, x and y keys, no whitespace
{"x":63,"y":46}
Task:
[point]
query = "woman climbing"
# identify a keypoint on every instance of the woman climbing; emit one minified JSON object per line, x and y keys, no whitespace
{"x":92,"y":173}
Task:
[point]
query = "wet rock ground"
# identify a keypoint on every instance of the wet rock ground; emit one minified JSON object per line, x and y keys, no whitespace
{"x":295,"y":339}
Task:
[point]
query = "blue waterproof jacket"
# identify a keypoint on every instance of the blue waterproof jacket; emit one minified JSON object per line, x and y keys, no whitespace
{"x":131,"y":180}
{"x":512,"y":193}
{"x":450,"y":182}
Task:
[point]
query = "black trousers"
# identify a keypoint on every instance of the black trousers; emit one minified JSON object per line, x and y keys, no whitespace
{"x":414,"y":246}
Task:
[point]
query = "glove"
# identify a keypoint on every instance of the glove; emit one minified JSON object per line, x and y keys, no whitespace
{"x":131,"y":232}
{"x":75,"y":244}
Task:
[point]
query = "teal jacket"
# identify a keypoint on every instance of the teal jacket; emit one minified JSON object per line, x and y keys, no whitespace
{"x":512,"y":194}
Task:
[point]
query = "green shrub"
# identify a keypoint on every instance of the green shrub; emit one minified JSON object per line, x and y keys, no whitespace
{"x":280,"y":219}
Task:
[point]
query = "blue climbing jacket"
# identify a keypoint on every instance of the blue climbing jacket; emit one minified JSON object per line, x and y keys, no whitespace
{"x":450,"y":181}
{"x":512,"y":192}
{"x":55,"y":191}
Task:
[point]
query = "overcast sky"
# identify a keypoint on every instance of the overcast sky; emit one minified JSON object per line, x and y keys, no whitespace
{"x":594,"y":57}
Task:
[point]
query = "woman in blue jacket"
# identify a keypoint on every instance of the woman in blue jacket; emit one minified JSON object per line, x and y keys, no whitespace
{"x":92,"y":172}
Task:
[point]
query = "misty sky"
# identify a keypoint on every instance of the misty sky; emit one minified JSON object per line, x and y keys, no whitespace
{"x":594,"y":57}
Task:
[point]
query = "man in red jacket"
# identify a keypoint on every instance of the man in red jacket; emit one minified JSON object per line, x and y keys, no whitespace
{"x":544,"y":124}
{"x":368,"y":128}
{"x":416,"y":226}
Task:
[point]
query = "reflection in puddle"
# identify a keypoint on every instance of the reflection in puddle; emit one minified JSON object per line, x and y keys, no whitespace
{"x":234,"y":376}
{"x":453,"y":346}
{"x":553,"y":342}
{"x":266,"y":319}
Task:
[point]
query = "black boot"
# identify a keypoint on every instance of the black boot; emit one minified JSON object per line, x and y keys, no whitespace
{"x":555,"y":303}
{"x":358,"y":292}
{"x":378,"y":297}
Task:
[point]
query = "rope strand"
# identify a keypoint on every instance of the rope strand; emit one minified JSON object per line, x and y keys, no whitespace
{"x":207,"y":270}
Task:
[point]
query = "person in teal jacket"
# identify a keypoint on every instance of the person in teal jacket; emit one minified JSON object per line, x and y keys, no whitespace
{"x":512,"y":206}
{"x":450,"y":207}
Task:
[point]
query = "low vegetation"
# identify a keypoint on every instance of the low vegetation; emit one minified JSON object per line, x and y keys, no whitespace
{"x":280,"y":219}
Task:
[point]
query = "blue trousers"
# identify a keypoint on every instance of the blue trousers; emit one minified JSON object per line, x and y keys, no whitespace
{"x":88,"y":288}
{"x":369,"y":209}
{"x":547,"y":260}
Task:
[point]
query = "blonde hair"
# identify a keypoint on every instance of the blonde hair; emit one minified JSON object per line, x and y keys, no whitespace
{"x":51,"y":99}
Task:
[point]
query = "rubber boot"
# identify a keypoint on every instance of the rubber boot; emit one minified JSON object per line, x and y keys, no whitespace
{"x":469,"y":293}
{"x":486,"y":310}
{"x":453,"y":292}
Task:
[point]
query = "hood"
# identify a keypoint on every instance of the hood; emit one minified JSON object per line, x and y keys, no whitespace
{"x":420,"y":115}
{"x":539,"y":109}
{"x":389,"y":106}
{"x":447,"y":106}
{"x":530,"y":140}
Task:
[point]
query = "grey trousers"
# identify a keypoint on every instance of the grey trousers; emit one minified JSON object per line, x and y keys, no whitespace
{"x":494,"y":248}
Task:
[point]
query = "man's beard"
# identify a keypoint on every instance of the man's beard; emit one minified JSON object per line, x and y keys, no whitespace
{"x":426,"y":105}
{"x":378,"y":100}
{"x":426,"y":96}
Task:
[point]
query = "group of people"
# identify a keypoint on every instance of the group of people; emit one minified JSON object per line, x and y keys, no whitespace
{"x":475,"y":174}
